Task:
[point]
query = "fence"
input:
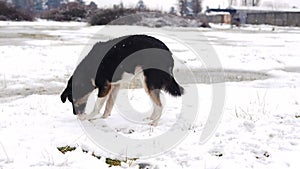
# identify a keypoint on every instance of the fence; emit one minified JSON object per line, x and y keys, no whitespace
{"x":274,"y":18}
{"x":260,"y":17}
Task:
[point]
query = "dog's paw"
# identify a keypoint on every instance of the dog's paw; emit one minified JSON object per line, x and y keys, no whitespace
{"x":82,"y":117}
{"x":104,"y":116}
{"x":88,"y":117}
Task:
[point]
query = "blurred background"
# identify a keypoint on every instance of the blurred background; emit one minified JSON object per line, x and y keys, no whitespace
{"x":101,"y":12}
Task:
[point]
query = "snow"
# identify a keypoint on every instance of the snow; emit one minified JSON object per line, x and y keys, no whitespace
{"x":260,"y":127}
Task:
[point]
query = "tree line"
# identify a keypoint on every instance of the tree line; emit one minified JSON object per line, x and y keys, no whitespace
{"x":78,"y":10}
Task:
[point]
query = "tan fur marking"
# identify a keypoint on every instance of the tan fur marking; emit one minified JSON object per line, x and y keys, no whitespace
{"x":154,"y":94}
{"x":106,"y":90}
{"x":111,"y":100}
{"x":157,"y":111}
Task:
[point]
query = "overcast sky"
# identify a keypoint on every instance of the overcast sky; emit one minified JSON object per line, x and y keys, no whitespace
{"x":167,"y":4}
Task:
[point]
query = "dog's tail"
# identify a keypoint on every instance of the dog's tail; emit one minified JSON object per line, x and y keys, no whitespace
{"x":172,"y":87}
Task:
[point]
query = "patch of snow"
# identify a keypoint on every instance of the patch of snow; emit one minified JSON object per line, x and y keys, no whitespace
{"x":260,"y":126}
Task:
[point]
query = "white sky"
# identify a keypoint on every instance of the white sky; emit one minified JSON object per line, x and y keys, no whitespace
{"x":166,"y":4}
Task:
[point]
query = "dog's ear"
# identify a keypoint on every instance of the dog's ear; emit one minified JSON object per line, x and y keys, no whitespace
{"x":64,"y":96}
{"x":67,"y":92}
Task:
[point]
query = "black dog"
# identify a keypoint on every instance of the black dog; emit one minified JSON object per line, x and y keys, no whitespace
{"x":108,"y":65}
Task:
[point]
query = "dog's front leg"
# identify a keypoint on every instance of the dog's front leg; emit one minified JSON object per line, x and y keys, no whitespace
{"x":98,"y":105}
{"x":110,"y":102}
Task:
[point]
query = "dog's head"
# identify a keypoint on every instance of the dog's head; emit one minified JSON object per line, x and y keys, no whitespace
{"x":78,"y":101}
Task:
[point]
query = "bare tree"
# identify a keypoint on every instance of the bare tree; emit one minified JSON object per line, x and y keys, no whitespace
{"x":189,"y":7}
{"x":25,"y":5}
{"x":140,"y":5}
{"x":53,"y":4}
{"x":196,"y":6}
{"x":182,"y":7}
{"x":256,"y":2}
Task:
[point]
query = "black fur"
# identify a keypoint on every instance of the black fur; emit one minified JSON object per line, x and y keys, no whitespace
{"x":67,"y":93}
{"x":157,"y":79}
{"x":107,"y":61}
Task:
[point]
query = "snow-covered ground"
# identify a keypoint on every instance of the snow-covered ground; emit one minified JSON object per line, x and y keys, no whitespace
{"x":260,"y":127}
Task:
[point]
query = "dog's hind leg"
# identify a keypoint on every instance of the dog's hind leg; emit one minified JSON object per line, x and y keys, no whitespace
{"x":111,"y":100}
{"x":157,"y":111}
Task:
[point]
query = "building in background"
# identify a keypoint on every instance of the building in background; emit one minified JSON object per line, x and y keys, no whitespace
{"x":244,"y":2}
